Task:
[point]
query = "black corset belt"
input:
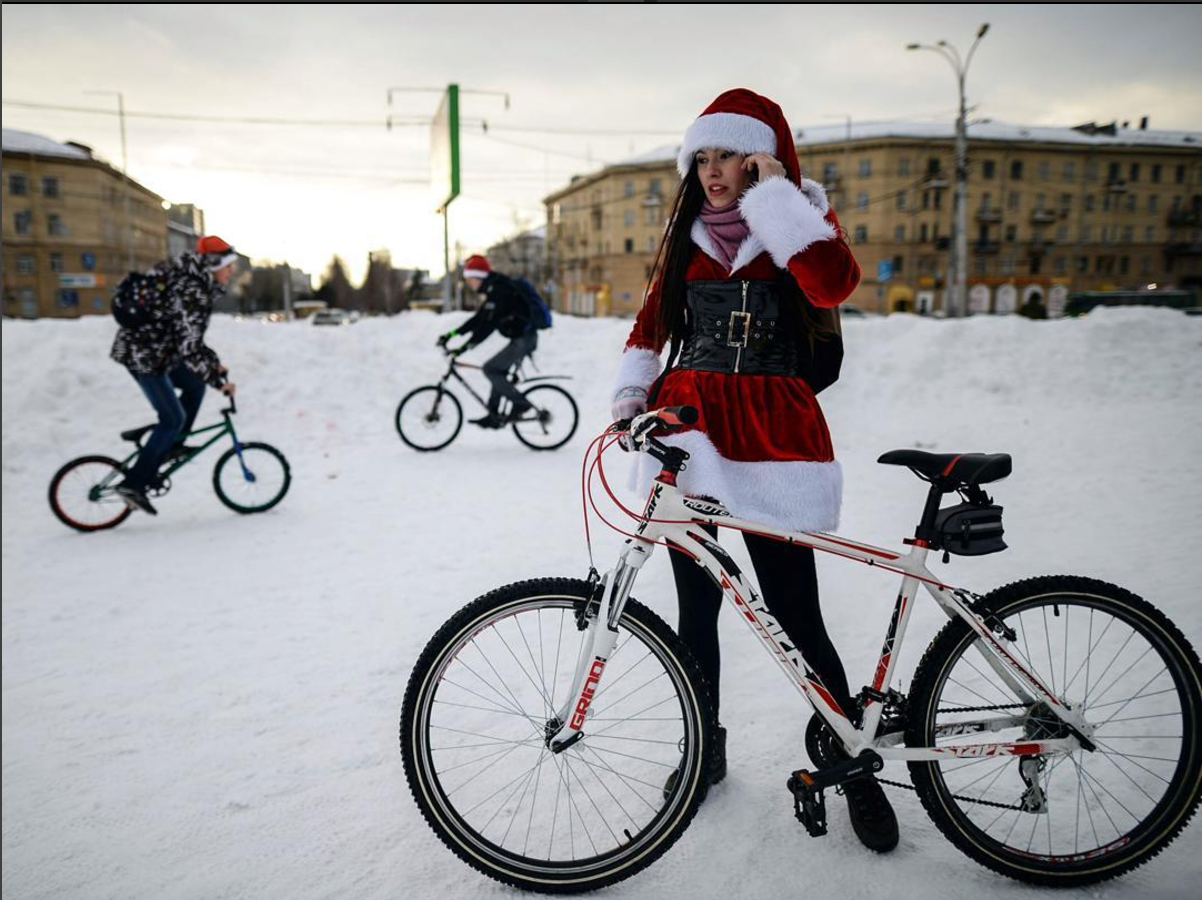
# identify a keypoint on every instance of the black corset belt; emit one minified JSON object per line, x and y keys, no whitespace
{"x":736,"y":327}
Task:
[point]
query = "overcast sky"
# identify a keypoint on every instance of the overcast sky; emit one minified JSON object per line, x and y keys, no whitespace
{"x":638,"y":72}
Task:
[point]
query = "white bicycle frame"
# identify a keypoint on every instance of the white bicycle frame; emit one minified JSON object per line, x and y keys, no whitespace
{"x":671,"y":517}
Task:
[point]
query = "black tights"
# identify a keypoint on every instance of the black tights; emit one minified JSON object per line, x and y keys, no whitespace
{"x":789,"y":582}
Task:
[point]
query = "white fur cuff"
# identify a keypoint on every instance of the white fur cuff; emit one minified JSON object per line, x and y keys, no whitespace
{"x":639,"y":368}
{"x":784,"y":217}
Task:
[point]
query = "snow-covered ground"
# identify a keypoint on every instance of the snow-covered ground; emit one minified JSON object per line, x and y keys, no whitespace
{"x":203,"y":705}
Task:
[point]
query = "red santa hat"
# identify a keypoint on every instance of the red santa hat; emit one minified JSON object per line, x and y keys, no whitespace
{"x":743,"y":121}
{"x":476,"y":267}
{"x":217,"y":253}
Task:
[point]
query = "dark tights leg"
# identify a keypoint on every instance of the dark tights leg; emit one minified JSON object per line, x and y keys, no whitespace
{"x":789,"y":581}
{"x":699,"y":600}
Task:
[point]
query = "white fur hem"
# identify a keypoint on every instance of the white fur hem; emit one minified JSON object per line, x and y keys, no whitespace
{"x":794,"y":495}
{"x":784,"y":218}
{"x":730,"y":131}
{"x":639,"y":368}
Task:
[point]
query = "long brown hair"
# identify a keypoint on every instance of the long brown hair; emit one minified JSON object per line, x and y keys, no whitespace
{"x":672,"y":262}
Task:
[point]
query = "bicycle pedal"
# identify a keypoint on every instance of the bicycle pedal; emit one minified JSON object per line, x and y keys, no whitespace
{"x":809,"y":804}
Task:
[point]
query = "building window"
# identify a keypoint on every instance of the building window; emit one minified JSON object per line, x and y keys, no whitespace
{"x":1145,"y":266}
{"x":1059,"y":265}
{"x":830,"y":171}
{"x":1036,"y":264}
{"x":67,"y":299}
{"x":652,"y":216}
{"x":865,"y":168}
{"x":1011,"y":234}
{"x":1013,"y":200}
{"x":938,"y":198}
{"x":861,"y":200}
{"x":1105,"y":203}
{"x":1130,"y":203}
{"x":54,"y":225}
{"x":628,"y":218}
{"x":987,"y":168}
{"x":897,"y":264}
{"x":56,"y":263}
{"x":29,"y":303}
{"x":1156,"y":173}
{"x":980,"y":265}
{"x":1066,"y":202}
{"x":926,"y":199}
{"x":901,"y":200}
{"x":629,"y":245}
{"x":1016,"y":170}
{"x":1044,"y":171}
{"x":1124,"y":264}
{"x":1089,"y":202}
{"x":1069,"y":172}
{"x":1039,"y":201}
{"x":1008,"y":265}
{"x":18,"y":184}
{"x":861,"y":234}
{"x":49,"y":187}
{"x":651,"y":245}
{"x":23,"y":221}
{"x":922,"y":233}
{"x":1153,"y":202}
{"x":1082,"y":265}
{"x":1112,"y":173}
{"x":1134,"y":173}
{"x":629,"y":189}
{"x":1149,"y":234}
{"x":26,"y":264}
{"x":903,"y":166}
{"x":899,"y":234}
{"x":1181,"y":174}
{"x":1128,"y":234}
{"x":932,"y":166}
{"x":653,"y":187}
{"x":1091,"y":171}
{"x":1087,"y":233}
{"x":1062,"y":233}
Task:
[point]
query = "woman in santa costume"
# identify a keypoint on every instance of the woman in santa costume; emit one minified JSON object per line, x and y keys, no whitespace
{"x":752,"y":262}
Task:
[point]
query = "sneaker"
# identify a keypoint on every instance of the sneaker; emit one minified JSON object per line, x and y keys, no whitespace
{"x":135,"y":498}
{"x":717,"y":769}
{"x":872,"y":816}
{"x":492,"y":420}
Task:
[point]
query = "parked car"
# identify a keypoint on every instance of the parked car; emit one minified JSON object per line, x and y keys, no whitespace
{"x":851,"y":311}
{"x":335,"y":317}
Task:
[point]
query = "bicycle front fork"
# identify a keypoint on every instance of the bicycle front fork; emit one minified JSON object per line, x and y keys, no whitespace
{"x":600,"y":617}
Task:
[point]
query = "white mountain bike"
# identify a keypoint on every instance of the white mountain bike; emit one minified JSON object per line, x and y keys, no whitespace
{"x":1051,"y":729}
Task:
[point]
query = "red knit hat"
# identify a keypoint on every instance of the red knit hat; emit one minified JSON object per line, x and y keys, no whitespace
{"x":217,"y":253}
{"x":476,"y":267}
{"x":743,"y":121}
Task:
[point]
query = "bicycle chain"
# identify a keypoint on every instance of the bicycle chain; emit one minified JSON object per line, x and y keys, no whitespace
{"x":974,"y":800}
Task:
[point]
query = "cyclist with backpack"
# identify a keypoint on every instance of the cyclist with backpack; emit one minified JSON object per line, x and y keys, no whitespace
{"x":512,"y":307}
{"x":163,"y":315}
{"x":744,"y":290}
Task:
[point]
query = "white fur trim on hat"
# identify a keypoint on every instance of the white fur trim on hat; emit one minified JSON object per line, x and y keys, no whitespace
{"x":785,"y":218}
{"x":475,"y":273}
{"x":639,"y":368}
{"x":220,"y":262}
{"x":731,"y":131}
{"x":795,"y":495}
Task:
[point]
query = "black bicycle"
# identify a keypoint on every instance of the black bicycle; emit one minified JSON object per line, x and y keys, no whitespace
{"x":249,"y":477}
{"x":430,"y":417}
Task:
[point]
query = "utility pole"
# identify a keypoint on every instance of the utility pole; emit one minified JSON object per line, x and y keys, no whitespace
{"x":958,"y":277}
{"x":129,"y":234}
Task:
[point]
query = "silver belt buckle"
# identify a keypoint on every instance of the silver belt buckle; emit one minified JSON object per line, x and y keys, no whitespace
{"x":730,"y":331}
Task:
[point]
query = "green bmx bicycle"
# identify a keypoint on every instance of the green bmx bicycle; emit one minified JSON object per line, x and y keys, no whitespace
{"x":249,"y":477}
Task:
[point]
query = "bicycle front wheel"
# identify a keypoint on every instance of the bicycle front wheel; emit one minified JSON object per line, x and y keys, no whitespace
{"x":481,"y":705}
{"x":253,"y":481}
{"x":1065,"y":818}
{"x":552,"y":421}
{"x":82,"y":495}
{"x":429,"y":418}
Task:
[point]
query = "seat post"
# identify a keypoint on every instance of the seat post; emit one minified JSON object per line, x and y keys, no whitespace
{"x":926,"y":526}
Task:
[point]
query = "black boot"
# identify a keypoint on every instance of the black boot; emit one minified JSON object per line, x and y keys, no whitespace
{"x":872,"y":816}
{"x":717,"y":769}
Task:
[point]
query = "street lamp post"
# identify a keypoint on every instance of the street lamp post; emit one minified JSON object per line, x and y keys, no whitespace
{"x":129,"y":235}
{"x":958,"y":280}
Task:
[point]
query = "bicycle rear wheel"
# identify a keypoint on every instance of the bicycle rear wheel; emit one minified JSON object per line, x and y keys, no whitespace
{"x":82,"y":496}
{"x":429,"y":418}
{"x":478,"y":712}
{"x":553,"y":420}
{"x":1066,"y":818}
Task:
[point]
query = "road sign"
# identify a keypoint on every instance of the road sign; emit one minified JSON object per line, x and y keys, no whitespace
{"x":444,"y":149}
{"x":884,"y":270}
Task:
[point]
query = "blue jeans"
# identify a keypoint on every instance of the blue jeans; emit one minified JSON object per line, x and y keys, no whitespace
{"x":176,"y":416}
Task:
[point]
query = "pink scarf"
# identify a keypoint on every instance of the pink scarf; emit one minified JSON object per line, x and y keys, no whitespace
{"x":727,"y":229}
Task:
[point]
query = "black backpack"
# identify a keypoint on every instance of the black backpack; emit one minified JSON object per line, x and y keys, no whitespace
{"x":138,"y":294}
{"x":540,"y":313}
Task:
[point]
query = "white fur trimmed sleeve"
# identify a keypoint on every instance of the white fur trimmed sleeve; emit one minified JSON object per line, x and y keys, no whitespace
{"x":787,"y":219}
{"x":636,"y":372}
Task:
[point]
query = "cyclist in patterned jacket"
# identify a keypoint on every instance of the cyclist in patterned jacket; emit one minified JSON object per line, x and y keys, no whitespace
{"x":168,"y":353}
